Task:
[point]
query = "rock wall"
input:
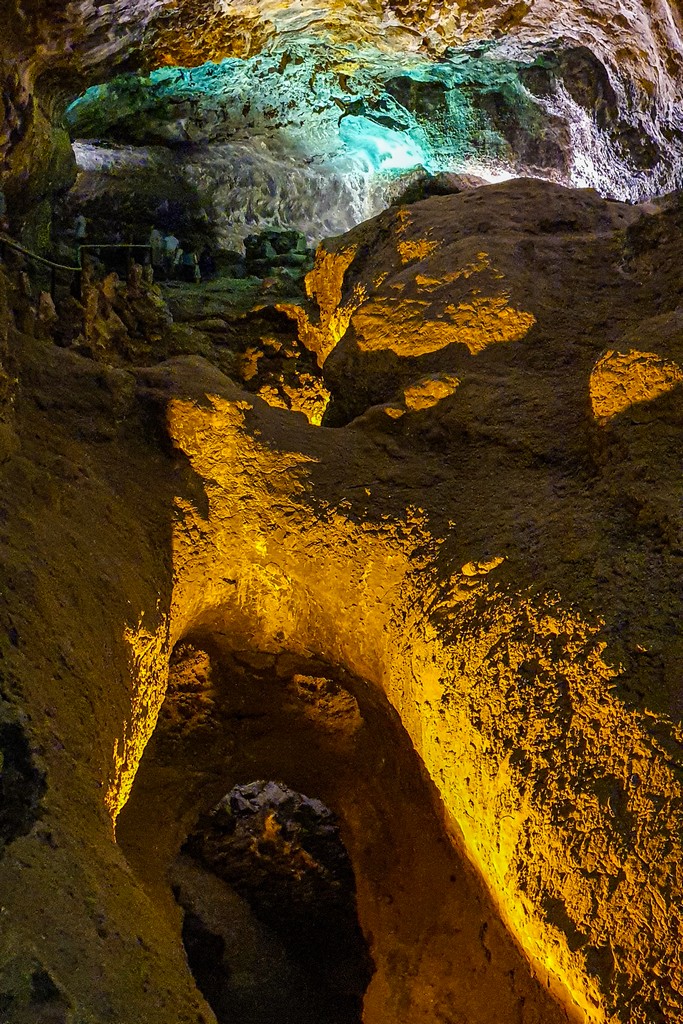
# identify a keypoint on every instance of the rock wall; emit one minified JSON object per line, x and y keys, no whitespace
{"x":302,"y":135}
{"x":486,"y":530}
{"x":490,"y":538}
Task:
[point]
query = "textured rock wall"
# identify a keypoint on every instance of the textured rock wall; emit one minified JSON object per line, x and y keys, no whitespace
{"x":491,"y":536}
{"x":302,"y":135}
{"x":532,"y":725}
{"x":438,"y":947}
{"x":493,"y":541}
{"x":80,"y":940}
{"x":52,"y":53}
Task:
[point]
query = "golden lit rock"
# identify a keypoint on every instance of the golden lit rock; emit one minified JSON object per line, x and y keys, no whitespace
{"x":324,"y":284}
{"x":407,"y":311}
{"x":149,"y":665}
{"x":309,"y":396}
{"x":412,"y":249}
{"x":427,"y":392}
{"x":621,"y":380}
{"x":192,"y":33}
{"x":405,"y":327}
{"x":463,"y":568}
{"x":508,"y":699}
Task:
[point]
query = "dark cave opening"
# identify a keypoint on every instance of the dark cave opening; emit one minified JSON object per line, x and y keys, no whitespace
{"x":205,"y":955}
{"x":262,"y":881}
{"x":270,"y":925}
{"x":349,"y":903}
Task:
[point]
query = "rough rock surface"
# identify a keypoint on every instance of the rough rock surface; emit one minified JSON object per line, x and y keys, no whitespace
{"x":302,"y":136}
{"x":608,"y":77}
{"x":439,"y":949}
{"x":499,"y":564}
{"x":283,"y":853}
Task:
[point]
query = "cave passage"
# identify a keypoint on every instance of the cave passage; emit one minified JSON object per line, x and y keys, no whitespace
{"x":270,"y":925}
{"x":492,"y":539}
{"x":318,"y":138}
{"x":298,"y":138}
{"x":301,"y":138}
{"x":218,"y":824}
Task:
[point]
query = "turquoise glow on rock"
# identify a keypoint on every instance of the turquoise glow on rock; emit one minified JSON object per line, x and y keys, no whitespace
{"x":382,"y":149}
{"x":318,"y":137}
{"x":396,"y":112}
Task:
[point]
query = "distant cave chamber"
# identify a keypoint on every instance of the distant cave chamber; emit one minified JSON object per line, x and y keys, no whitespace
{"x":299,"y":138}
{"x":272,"y":936}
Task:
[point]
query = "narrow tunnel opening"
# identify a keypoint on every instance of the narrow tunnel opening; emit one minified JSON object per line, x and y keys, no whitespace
{"x":264,"y":762}
{"x":269,"y":898}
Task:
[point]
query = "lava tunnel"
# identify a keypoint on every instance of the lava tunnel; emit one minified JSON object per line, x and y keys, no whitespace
{"x":341,"y":519}
{"x":292,"y":911}
{"x":304,"y":958}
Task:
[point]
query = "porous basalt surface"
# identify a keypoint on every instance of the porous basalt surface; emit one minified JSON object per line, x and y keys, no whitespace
{"x":437,"y":946}
{"x":282,"y":853}
{"x":487,"y":536}
{"x":596,"y":101}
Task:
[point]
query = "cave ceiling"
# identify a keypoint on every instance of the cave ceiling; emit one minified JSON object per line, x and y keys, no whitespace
{"x":585,"y":94}
{"x":642,"y":38}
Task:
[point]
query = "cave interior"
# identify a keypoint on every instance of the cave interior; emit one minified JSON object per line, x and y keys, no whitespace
{"x":341,"y":351}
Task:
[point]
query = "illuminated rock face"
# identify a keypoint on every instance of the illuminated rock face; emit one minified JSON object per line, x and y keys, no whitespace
{"x":484,"y":534}
{"x":322,"y":137}
{"x":521,"y":702}
{"x":312,"y":136}
{"x":487,"y":555}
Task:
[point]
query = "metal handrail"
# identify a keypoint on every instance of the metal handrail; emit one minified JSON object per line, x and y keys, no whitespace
{"x":34,"y":256}
{"x":54,"y":266}
{"x":64,"y":266}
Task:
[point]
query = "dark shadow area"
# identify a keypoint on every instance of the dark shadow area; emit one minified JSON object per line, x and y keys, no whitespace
{"x":22,"y":785}
{"x":274,"y":862}
{"x":29,"y":994}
